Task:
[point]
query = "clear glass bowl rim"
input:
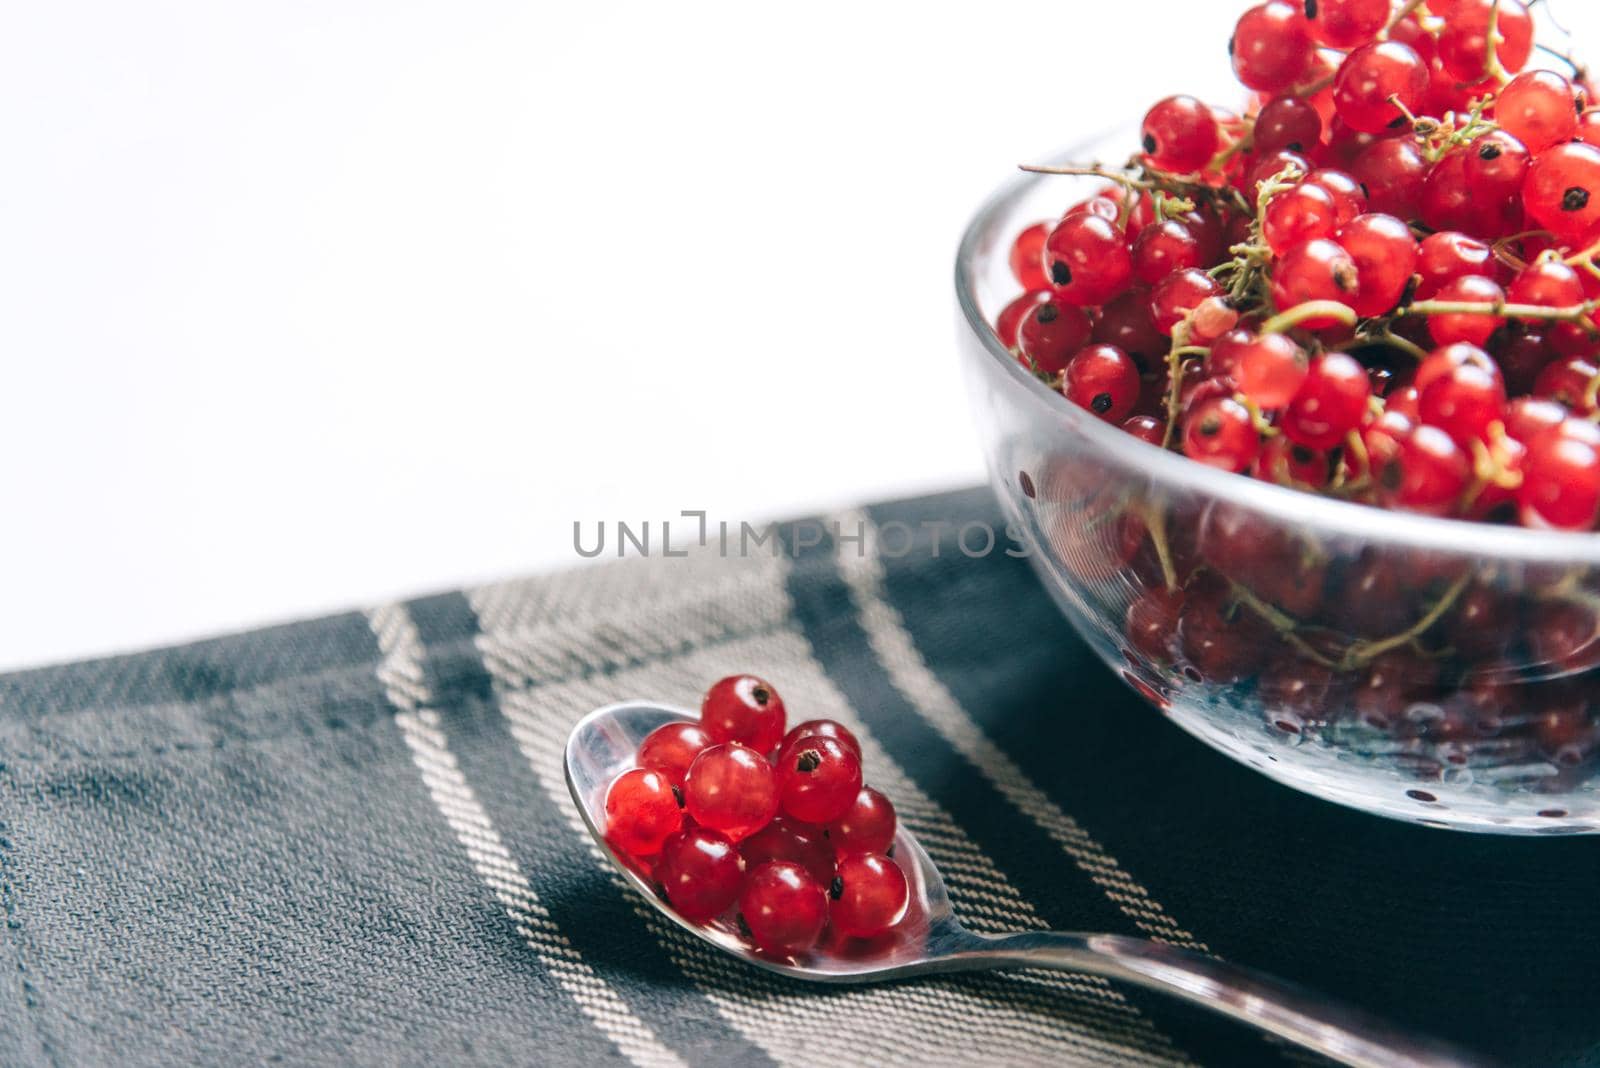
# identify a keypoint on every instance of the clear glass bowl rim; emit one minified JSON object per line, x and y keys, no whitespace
{"x":1293,"y":507}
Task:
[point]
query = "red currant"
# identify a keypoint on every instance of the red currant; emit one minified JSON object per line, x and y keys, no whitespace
{"x":1027,"y":257}
{"x":1219,"y":433}
{"x":825,"y":728}
{"x":1349,"y":199}
{"x":1010,"y":317}
{"x":1448,"y":255}
{"x":1104,"y":380}
{"x":784,"y":908}
{"x":1126,"y":323}
{"x":1378,"y":84}
{"x":1528,"y":417}
{"x":700,"y":871}
{"x":1385,"y":256}
{"x":1316,"y":270}
{"x":1569,"y":381}
{"x":1330,"y":402}
{"x":1146,"y":428}
{"x":1288,"y":122}
{"x":1428,"y":475}
{"x":797,"y":843}
{"x":1475,"y":328}
{"x":1180,"y":134}
{"x":867,"y":826}
{"x":1271,"y":46}
{"x":1547,"y":284}
{"x":1178,"y":295}
{"x":1288,"y":464}
{"x":1087,"y":259}
{"x":1560,"y":190}
{"x":731,"y":788}
{"x":642,"y":811}
{"x":1495,"y":166}
{"x":818,"y":779}
{"x":869,"y":894}
{"x":1298,"y":215}
{"x":1561,"y":478}
{"x":1270,"y":369}
{"x":1165,"y":247}
{"x":1050,"y":332}
{"x":743,"y":709}
{"x":1588,"y":129}
{"x":1539,"y":109}
{"x":1346,"y":23}
{"x":1464,"y":40}
{"x":1464,"y":399}
{"x":671,"y":748}
{"x":1394,"y":172}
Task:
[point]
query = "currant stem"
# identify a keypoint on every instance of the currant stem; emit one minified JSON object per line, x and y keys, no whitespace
{"x":1362,"y":653}
{"x":1283,"y":322}
{"x":1155,"y":521}
{"x":1180,"y":341}
{"x":1575,"y":313}
{"x":1400,"y":15}
{"x":1284,"y":624}
{"x":1090,"y":172}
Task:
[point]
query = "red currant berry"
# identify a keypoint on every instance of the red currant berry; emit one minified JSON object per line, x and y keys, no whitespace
{"x":1270,"y":369}
{"x":642,"y":811}
{"x":1561,"y":478}
{"x":1178,"y":295}
{"x":1522,"y":354}
{"x":1569,"y":381}
{"x":1448,"y":255}
{"x":1212,"y":318}
{"x":1104,"y":380}
{"x":671,"y":748}
{"x":869,"y":895}
{"x":1050,"y":332}
{"x":1316,"y":270}
{"x":1588,"y":130}
{"x":743,"y":709}
{"x":825,"y":728}
{"x":797,"y":843}
{"x":1378,"y":84}
{"x":1219,"y":638}
{"x":784,"y":908}
{"x":818,"y":780}
{"x":1330,"y":402}
{"x":1528,"y":417}
{"x":1146,"y":428}
{"x":1288,"y":464}
{"x":1298,"y":215}
{"x":1027,"y":257}
{"x":1464,"y":400}
{"x":1464,"y":40}
{"x":867,"y":826}
{"x":1219,"y":433}
{"x":1281,"y":164}
{"x":1223,"y":359}
{"x":1547,"y":284}
{"x":1271,"y":47}
{"x":1385,"y":255}
{"x":1349,"y":199}
{"x":1445,"y":361}
{"x":1151,"y":625}
{"x":1088,"y":260}
{"x":1288,"y":122}
{"x":1475,"y":328}
{"x":1394,"y":173}
{"x":700,"y":871}
{"x":1560,"y":190}
{"x":1180,"y":134}
{"x":1010,"y":317}
{"x":1495,"y":166}
{"x":1538,"y":108}
{"x":1447,"y":201}
{"x":1126,"y":323}
{"x":731,"y":788}
{"x":1162,"y":248}
{"x":1346,"y":23}
{"x":1428,"y":475}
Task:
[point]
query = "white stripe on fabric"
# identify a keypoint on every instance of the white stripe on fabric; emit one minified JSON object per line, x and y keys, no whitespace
{"x":1025,"y":1018}
{"x":401,"y":673}
{"x":894,"y":647}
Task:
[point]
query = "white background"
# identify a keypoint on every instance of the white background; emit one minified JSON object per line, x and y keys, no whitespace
{"x":305,"y":305}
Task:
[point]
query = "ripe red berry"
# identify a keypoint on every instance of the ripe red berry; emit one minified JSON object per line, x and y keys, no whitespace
{"x":1495,"y":166}
{"x":1428,"y":475}
{"x":1394,"y":173}
{"x":1288,"y":122}
{"x":1270,"y":369}
{"x":1298,"y":215}
{"x":1165,"y":247}
{"x":797,"y":843}
{"x":1271,"y":46}
{"x":1050,"y":332}
{"x":1588,"y":129}
{"x":825,"y":728}
{"x":671,"y":748}
{"x":1349,"y":199}
{"x":1104,"y":380}
{"x":784,"y":908}
{"x":1027,"y":257}
{"x":1178,"y":295}
{"x":1330,"y":402}
{"x":1547,"y":284}
{"x":1346,"y":23}
{"x":869,"y":895}
{"x":642,"y":811}
{"x":731,"y":788}
{"x":700,"y":871}
{"x":818,"y":779}
{"x":867,"y":826}
{"x":1570,"y":382}
{"x":1464,"y":400}
{"x":1316,"y":270}
{"x":1445,"y":256}
{"x":1528,"y":417}
{"x":1538,"y":108}
{"x":743,"y":709}
{"x":1377,"y":84}
{"x":1560,"y":191}
{"x":1385,"y":255}
{"x":1146,"y":428}
{"x":1126,"y":323}
{"x":1464,"y":39}
{"x":1475,"y":328}
{"x":1447,"y":200}
{"x":1288,"y":464}
{"x":1010,"y":317}
{"x":1219,"y":433}
{"x":1180,"y":134}
{"x":1561,"y":478}
{"x":1087,"y":259}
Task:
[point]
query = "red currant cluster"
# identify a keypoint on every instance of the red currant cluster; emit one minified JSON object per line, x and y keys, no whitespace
{"x":1378,"y":283}
{"x":732,"y":812}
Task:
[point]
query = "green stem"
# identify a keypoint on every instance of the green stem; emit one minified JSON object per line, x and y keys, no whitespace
{"x":1362,"y":653}
{"x":1312,"y":309}
{"x":1571,"y":314}
{"x":1180,"y":341}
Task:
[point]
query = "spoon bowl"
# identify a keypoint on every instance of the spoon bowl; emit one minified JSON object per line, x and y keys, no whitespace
{"x":929,"y":940}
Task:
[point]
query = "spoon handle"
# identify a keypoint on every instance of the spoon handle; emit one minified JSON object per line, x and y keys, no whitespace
{"x":1341,"y":1032}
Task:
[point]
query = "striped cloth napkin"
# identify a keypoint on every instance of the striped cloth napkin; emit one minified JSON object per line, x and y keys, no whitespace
{"x":349,"y":841}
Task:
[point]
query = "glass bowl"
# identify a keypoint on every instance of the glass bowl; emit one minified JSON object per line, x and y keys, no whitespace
{"x":1432,"y":670}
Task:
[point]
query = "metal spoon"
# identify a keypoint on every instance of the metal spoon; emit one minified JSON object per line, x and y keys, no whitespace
{"x":929,"y":941}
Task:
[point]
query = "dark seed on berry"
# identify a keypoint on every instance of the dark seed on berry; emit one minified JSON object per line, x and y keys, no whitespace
{"x":677,"y":795}
{"x":1048,"y":313}
{"x":1489,"y":151}
{"x":1311,"y":9}
{"x":762,"y":695}
{"x":808,"y":761}
{"x":1575,"y":199}
{"x":1210,"y":426}
{"x":1150,"y":143}
{"x":1061,"y":275}
{"x":836,"y":888}
{"x":1102,"y":403}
